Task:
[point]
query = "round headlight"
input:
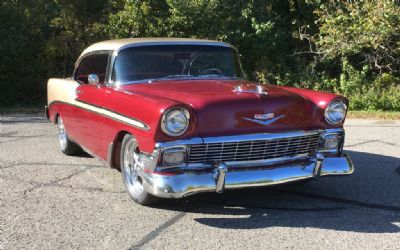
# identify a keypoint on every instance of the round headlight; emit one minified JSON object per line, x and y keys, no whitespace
{"x":335,"y":112}
{"x":175,"y":121}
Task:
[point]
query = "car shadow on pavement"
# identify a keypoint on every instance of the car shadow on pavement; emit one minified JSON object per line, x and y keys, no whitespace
{"x":367,"y":201}
{"x":83,"y":154}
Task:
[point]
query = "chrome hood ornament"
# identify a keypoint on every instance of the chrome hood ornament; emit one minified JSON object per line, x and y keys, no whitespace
{"x":258,"y":90}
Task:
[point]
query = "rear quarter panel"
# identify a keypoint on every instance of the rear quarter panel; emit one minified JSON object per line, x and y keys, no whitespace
{"x":60,"y":91}
{"x":61,"y":100}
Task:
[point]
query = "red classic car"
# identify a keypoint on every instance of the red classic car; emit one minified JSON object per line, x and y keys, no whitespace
{"x":177,"y":117}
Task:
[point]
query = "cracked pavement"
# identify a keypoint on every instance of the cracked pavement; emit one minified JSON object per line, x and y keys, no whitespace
{"x":49,"y":201}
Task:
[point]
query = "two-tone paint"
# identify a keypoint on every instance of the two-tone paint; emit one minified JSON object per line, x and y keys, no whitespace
{"x":97,"y":116}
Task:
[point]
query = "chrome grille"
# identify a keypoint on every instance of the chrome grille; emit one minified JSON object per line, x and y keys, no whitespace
{"x":254,"y":150}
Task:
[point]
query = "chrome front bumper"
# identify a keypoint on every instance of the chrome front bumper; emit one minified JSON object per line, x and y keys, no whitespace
{"x":221,"y":177}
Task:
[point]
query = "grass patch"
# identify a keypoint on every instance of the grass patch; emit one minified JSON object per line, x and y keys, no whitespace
{"x":382,"y":115}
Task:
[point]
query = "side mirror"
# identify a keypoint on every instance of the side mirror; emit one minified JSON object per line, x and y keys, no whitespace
{"x":93,"y":79}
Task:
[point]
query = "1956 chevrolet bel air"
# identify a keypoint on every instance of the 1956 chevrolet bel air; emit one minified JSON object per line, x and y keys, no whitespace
{"x":177,"y":117}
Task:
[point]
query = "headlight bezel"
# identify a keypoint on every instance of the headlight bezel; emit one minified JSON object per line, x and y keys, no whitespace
{"x":331,"y":106}
{"x":166,"y":116}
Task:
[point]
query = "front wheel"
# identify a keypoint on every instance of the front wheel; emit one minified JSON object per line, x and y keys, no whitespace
{"x":130,"y":169}
{"x":67,"y":146}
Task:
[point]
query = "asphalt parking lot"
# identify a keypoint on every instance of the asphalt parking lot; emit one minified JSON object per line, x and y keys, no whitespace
{"x":52,"y":201}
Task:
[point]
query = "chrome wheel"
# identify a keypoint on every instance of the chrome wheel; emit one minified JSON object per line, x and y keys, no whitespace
{"x":131,"y":168}
{"x":67,"y":146}
{"x":62,"y":134}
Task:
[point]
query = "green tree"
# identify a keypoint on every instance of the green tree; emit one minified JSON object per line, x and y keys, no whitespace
{"x":348,"y":47}
{"x":76,"y":25}
{"x":363,"y":40}
{"x":23,"y":28}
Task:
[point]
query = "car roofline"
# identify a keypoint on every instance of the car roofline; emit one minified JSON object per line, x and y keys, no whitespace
{"x":119,"y":44}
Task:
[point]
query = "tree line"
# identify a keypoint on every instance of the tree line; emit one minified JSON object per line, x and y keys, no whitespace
{"x":347,"y":47}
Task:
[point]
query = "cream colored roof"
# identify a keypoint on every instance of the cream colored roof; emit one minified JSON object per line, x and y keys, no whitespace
{"x":119,"y":43}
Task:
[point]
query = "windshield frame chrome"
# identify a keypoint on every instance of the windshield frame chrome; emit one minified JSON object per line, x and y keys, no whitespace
{"x":110,"y":83}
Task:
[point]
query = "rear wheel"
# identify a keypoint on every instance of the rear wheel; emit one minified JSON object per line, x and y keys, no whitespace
{"x":67,"y":146}
{"x":130,"y":170}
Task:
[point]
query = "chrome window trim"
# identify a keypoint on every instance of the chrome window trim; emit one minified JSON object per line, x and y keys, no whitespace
{"x":108,"y":81}
{"x":97,"y":52}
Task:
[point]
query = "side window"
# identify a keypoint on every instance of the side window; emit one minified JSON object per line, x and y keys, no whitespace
{"x":92,"y":64}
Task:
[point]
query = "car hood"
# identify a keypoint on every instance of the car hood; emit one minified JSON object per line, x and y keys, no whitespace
{"x":220,"y":110}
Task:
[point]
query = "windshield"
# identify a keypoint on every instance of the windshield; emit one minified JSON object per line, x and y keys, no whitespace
{"x":158,"y":62}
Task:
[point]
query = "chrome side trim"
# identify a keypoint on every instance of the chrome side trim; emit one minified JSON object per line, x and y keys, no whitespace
{"x":106,"y":113}
{"x":64,"y":91}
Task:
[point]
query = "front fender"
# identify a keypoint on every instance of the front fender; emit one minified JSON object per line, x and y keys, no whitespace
{"x":144,"y":108}
{"x":321,"y":101}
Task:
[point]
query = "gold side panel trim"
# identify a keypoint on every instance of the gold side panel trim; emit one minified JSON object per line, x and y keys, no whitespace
{"x":64,"y":90}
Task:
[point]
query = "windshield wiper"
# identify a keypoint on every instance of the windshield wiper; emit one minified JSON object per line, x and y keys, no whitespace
{"x":216,"y":75}
{"x":178,"y":76}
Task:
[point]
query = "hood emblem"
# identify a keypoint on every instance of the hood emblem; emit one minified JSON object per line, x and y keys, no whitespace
{"x":264,"y":119}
